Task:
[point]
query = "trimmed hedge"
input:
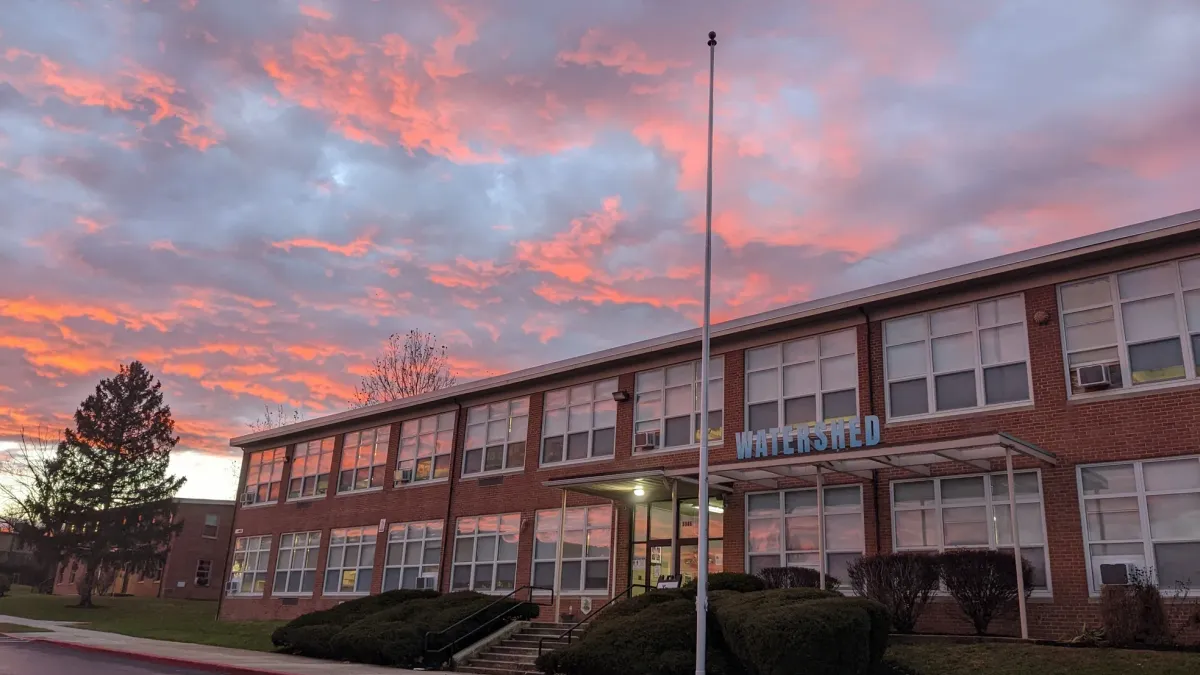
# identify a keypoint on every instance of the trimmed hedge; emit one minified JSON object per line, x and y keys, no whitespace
{"x":817,"y":637}
{"x":638,"y":603}
{"x":797,"y":577}
{"x":730,"y":581}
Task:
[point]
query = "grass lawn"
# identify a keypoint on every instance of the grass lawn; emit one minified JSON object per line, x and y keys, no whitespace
{"x":1010,"y":659}
{"x":175,"y":620}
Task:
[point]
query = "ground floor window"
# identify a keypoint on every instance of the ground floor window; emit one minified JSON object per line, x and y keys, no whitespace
{"x":1144,"y":515}
{"x":781,"y":530}
{"x":203,"y":573}
{"x":414,"y":555}
{"x":248,"y":576}
{"x":586,"y":548}
{"x":485,"y":553}
{"x":351,"y":561}
{"x":655,"y":536}
{"x":296,"y":563}
{"x":936,"y":514}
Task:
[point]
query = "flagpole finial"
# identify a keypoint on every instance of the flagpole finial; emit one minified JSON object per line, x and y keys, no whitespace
{"x":712,"y":38}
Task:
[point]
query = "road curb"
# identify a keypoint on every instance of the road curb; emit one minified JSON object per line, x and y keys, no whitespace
{"x":162,"y":660}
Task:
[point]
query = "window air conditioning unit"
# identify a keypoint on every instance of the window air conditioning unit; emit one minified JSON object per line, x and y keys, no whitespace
{"x":1116,"y":574}
{"x":1093,"y":377}
{"x":248,"y":497}
{"x":646,"y":440}
{"x":403,"y":475}
{"x":232,"y":587}
{"x":426,"y":582}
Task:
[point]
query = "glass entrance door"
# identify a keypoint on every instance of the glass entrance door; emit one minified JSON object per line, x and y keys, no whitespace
{"x":654,"y":528}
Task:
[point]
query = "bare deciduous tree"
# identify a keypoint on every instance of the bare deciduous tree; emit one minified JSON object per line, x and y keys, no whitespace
{"x":31,"y":494}
{"x":273,"y":419}
{"x":411,"y":364}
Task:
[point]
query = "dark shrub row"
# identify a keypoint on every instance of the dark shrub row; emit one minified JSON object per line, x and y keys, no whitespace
{"x":797,"y":577}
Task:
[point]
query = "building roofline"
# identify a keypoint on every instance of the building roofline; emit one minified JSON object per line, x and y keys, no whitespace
{"x":206,"y":502}
{"x":1159,"y":228}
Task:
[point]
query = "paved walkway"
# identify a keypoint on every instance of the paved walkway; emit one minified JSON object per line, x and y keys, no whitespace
{"x":205,"y":657}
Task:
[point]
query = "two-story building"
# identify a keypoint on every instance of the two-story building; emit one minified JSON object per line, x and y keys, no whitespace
{"x":877,"y":420}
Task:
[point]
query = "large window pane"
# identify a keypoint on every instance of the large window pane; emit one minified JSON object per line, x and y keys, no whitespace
{"x":962,"y":489}
{"x":1148,"y":281}
{"x":917,"y":492}
{"x":763,"y":535}
{"x":965,"y":526}
{"x":764,"y":416}
{"x":1005,"y":384}
{"x":1000,"y":345}
{"x":1174,"y":516}
{"x":1177,"y":564}
{"x":1156,"y":361}
{"x":1114,"y":518}
{"x":1108,"y":480}
{"x":906,"y":360}
{"x":916,"y":529}
{"x":1149,"y":319}
{"x":955,"y":391}
{"x":1086,"y":294}
{"x":798,"y":411}
{"x":1029,"y":524}
{"x":1183,"y":474}
{"x":956,"y":352}
{"x":840,"y":404}
{"x":908,"y":398}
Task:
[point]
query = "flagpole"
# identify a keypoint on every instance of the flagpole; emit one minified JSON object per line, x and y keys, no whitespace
{"x":705,"y":357}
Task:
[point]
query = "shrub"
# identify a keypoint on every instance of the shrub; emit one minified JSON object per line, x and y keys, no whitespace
{"x":1134,"y":614}
{"x":901,"y":582}
{"x":5,"y":585}
{"x":830,"y":636}
{"x":347,"y":612}
{"x":730,"y":581}
{"x":638,"y":603}
{"x":982,"y":582}
{"x":796,"y":577}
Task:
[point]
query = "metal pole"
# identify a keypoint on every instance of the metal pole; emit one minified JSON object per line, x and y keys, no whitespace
{"x":705,"y":349}
{"x":821,"y":524}
{"x":562,"y":523}
{"x":1016,"y":540}
{"x":675,"y":557}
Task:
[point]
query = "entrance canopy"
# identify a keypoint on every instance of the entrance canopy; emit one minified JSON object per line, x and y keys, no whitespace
{"x":974,"y":453}
{"x":653,"y":485}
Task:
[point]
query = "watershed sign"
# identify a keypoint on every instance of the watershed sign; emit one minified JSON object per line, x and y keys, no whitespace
{"x":832,"y":436}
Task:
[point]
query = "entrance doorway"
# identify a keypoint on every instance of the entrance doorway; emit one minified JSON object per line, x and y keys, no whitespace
{"x":666,"y":543}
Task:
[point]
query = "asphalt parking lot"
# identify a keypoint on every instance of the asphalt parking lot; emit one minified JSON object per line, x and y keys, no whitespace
{"x":34,"y":658}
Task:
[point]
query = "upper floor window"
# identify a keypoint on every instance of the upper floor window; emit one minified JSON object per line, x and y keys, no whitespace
{"x":311,"y":463}
{"x":668,"y":405}
{"x":364,"y":458}
{"x":802,"y":381}
{"x":580,"y":422}
{"x":1132,"y":328}
{"x":264,"y":476}
{"x":211,"y":522}
{"x":496,"y":437}
{"x":248,"y":574}
{"x":426,"y":445}
{"x":970,"y":356}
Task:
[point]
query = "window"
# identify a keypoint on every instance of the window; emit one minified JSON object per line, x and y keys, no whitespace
{"x":485,"y":553}
{"x":296,"y":564}
{"x":668,"y":402}
{"x":248,"y":576}
{"x":203,"y":573}
{"x":414,"y":555}
{"x":586,"y":549}
{"x":311,"y":463}
{"x":211,"y":521}
{"x":425,"y":449}
{"x":263,"y":476}
{"x":74,"y":569}
{"x":351,"y":560}
{"x":971,"y":512}
{"x":1145,"y":514}
{"x":496,"y":437}
{"x":970,"y":356}
{"x":1142,"y":325}
{"x":781,"y":530}
{"x":364,"y":460}
{"x":580,"y":422}
{"x":802,"y":381}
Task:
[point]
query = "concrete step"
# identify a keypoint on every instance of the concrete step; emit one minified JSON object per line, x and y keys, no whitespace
{"x":547,"y":630}
{"x":507,"y":658}
{"x":508,"y":649}
{"x":497,"y":668}
{"x":534,"y":639}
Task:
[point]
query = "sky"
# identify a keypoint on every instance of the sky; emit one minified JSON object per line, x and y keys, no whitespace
{"x":249,"y":197}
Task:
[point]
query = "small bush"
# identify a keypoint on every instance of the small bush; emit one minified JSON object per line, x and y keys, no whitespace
{"x":1134,"y":614}
{"x":312,"y":640}
{"x":638,"y":603}
{"x":730,"y":581}
{"x":982,"y":582}
{"x":348,"y":612}
{"x":902,"y":582}
{"x":830,"y":636}
{"x":797,"y":577}
{"x":5,"y":585}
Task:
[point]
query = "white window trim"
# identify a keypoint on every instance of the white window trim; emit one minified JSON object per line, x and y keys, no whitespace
{"x":291,"y":570}
{"x":515,"y":562}
{"x":1147,"y":539}
{"x":565,"y":435}
{"x":781,"y":398}
{"x":196,"y":576}
{"x":583,"y":560}
{"x":694,"y":420}
{"x":783,"y":550}
{"x":417,"y":450}
{"x":1185,"y":335}
{"x":387,"y":542}
{"x":366,"y":530}
{"x":931,"y":377}
{"x":316,"y":475}
{"x":205,"y":525}
{"x":369,"y":468}
{"x":482,"y":473}
{"x":264,"y":554}
{"x":989,"y":502}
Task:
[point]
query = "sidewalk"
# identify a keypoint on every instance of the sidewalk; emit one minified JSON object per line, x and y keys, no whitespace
{"x":200,"y":657}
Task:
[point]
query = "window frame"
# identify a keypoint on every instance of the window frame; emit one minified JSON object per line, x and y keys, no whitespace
{"x":364,"y":532}
{"x":206,"y":569}
{"x":595,"y":397}
{"x":354,"y":453}
{"x":930,"y":376}
{"x":416,"y":435}
{"x":323,"y":460}
{"x":1141,"y":493}
{"x":1186,"y":336}
{"x":263,"y":554}
{"x":781,"y":398}
{"x":583,"y":559}
{"x":404,"y":544}
{"x":512,"y":412}
{"x":783,"y":552}
{"x":495,"y":563}
{"x":714,"y":375}
{"x":216,"y":526}
{"x":989,"y":502}
{"x":310,"y":548}
{"x":274,"y":476}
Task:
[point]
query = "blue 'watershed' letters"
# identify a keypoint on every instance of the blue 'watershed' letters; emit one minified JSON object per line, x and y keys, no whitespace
{"x":833,"y":436}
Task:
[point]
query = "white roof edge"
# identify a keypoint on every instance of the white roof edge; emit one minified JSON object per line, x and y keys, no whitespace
{"x":1041,"y":255}
{"x":205,"y":502}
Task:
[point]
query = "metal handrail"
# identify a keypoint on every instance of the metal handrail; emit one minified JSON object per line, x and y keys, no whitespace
{"x":569,"y":632}
{"x":432,"y":634}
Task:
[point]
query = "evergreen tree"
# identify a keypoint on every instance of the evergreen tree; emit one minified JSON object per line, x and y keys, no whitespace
{"x":118,"y":501}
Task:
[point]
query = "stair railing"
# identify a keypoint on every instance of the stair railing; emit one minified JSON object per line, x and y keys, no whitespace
{"x":435,"y":658}
{"x":569,"y":633}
